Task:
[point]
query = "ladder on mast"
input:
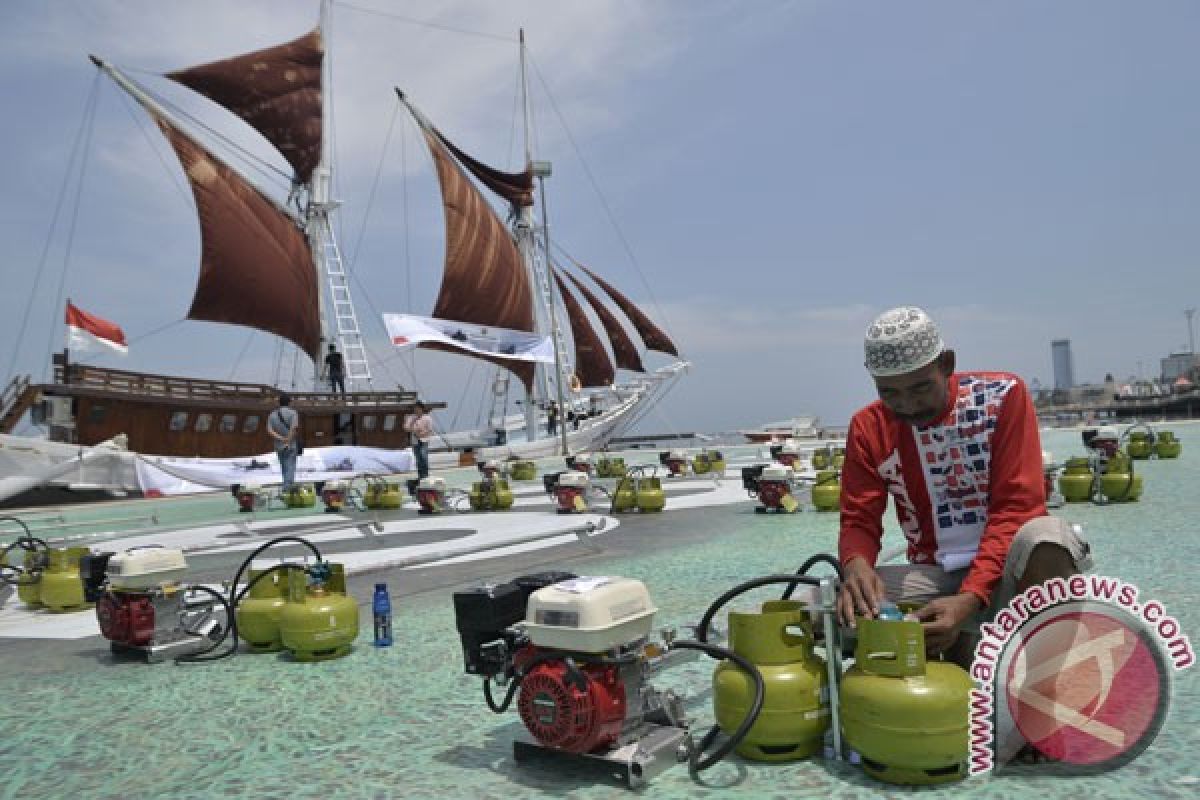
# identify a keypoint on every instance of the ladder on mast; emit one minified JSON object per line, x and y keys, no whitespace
{"x":346,"y":329}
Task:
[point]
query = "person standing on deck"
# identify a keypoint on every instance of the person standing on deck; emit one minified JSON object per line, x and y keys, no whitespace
{"x":552,"y":419}
{"x":420,"y":425}
{"x":335,"y":369}
{"x":282,"y":425}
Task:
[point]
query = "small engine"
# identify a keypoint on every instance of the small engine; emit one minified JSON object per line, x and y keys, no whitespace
{"x":676,"y":462}
{"x":789,"y":454}
{"x":773,"y":487}
{"x":142,"y":607}
{"x":431,"y":495}
{"x":576,"y":654}
{"x":570,"y":491}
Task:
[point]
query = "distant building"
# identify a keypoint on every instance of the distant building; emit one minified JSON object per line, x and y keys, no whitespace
{"x":1064,"y":365}
{"x":1179,"y":365}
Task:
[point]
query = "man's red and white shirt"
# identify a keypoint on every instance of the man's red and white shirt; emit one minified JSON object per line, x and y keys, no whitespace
{"x":962,"y":486}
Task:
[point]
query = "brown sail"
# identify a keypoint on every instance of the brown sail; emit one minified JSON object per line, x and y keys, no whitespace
{"x":624,"y":350}
{"x":484,"y":279}
{"x":515,"y":187}
{"x":592,"y":366}
{"x":256,"y":268}
{"x":276,"y":90}
{"x":651,"y":334}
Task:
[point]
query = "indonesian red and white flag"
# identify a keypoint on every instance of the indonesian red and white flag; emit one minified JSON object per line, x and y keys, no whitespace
{"x":85,"y":331}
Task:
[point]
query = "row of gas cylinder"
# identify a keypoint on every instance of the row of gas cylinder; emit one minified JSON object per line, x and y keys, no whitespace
{"x":1110,"y":479}
{"x":45,"y":577}
{"x":905,"y":717}
{"x":1159,"y":444}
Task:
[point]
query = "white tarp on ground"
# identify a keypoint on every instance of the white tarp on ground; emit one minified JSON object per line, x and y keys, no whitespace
{"x":407,"y":330}
{"x":165,"y":475}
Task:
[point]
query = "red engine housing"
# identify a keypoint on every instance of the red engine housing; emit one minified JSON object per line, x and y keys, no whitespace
{"x":126,"y":618}
{"x":561,"y":713}
{"x":430,"y":500}
{"x":676,"y":466}
{"x":565,"y":495}
{"x":787,"y":459}
{"x":771,"y":493}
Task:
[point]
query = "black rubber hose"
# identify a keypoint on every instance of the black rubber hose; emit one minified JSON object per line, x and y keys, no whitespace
{"x":231,"y":627}
{"x":276,"y":568}
{"x":519,"y":676}
{"x":696,"y":762}
{"x":24,"y":527}
{"x":819,"y":558}
{"x":237,"y":577}
{"x":741,"y":588}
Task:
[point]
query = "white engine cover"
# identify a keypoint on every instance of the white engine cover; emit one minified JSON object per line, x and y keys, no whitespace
{"x":778,"y":472}
{"x":145,"y":568}
{"x":437,"y":484}
{"x":589,"y":614}
{"x":574,"y":478}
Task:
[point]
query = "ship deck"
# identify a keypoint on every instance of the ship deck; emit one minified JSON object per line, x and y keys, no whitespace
{"x":406,"y":722}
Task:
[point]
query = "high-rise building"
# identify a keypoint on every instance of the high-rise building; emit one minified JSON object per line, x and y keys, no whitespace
{"x":1064,"y":365}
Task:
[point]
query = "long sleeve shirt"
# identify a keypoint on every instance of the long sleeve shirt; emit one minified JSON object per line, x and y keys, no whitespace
{"x":962,"y":486}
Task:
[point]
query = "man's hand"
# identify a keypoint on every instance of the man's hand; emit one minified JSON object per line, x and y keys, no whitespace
{"x":862,"y":593}
{"x":943,"y":616}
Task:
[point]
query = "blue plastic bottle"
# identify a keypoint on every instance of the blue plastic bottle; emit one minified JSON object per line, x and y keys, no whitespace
{"x":382,"y":606}
{"x":890,"y":611}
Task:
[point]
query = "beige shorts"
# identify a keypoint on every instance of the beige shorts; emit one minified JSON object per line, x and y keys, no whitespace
{"x":920,"y":583}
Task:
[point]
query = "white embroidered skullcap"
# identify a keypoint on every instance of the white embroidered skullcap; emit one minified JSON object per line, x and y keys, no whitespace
{"x":900,"y":341}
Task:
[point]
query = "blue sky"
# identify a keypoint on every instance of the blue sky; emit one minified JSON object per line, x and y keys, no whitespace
{"x":779,"y":172}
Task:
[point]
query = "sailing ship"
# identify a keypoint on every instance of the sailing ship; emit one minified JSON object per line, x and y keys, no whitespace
{"x":275,"y":266}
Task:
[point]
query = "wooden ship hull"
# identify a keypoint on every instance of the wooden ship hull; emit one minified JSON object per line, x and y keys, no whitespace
{"x":175,"y":416}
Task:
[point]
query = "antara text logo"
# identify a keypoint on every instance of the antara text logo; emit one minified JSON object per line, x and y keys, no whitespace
{"x":1078,"y":669}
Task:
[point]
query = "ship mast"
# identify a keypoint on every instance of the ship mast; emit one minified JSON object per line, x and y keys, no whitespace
{"x":539,"y":272}
{"x":339,"y":322}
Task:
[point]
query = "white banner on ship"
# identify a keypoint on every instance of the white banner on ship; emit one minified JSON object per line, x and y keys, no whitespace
{"x":406,"y":330}
{"x":163,"y":475}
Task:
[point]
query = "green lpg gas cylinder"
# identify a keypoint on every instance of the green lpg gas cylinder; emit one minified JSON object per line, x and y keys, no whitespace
{"x":259,"y":611}
{"x":1075,"y":482}
{"x":821,"y":459}
{"x":610,"y":467}
{"x":62,"y":588}
{"x":383,"y":495}
{"x":318,"y":622}
{"x":1140,"y":447}
{"x":906,"y":717}
{"x":491,"y":495}
{"x":702,"y":464}
{"x":795,"y":711}
{"x":650,"y":495}
{"x":624,"y":496}
{"x":717,"y":459}
{"x":839,"y":457}
{"x":1167,"y":446}
{"x":827,"y":491}
{"x":29,"y":588}
{"x":523,"y":471}
{"x":1119,"y":483}
{"x":300,"y":496}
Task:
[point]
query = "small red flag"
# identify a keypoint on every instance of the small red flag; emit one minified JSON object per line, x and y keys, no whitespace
{"x":84,"y":330}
